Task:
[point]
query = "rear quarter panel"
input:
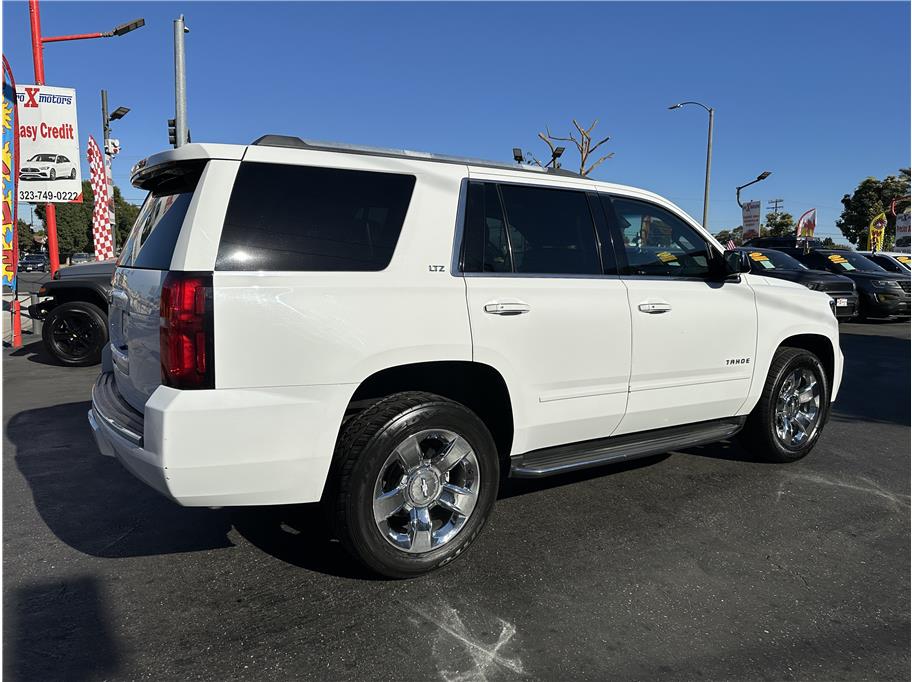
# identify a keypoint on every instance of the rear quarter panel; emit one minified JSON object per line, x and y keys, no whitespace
{"x":306,"y":328}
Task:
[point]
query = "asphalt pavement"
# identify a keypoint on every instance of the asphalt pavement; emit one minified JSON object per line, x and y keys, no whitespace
{"x":694,"y":565}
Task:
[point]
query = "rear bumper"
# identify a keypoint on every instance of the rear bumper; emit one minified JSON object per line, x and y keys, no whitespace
{"x":224,"y":447}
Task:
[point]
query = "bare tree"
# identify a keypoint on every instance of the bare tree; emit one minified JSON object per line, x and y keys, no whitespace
{"x":583,"y":145}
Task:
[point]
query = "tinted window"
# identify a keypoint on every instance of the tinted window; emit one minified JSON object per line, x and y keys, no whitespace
{"x":485,"y":240}
{"x":303,"y":218}
{"x":770,"y":259}
{"x":550,"y":231}
{"x":887,"y":263}
{"x":656,"y":242}
{"x":846,"y":261}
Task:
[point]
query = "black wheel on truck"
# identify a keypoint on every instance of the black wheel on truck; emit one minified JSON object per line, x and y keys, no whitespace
{"x":789,"y":417}
{"x":75,"y":333}
{"x":415,"y":476}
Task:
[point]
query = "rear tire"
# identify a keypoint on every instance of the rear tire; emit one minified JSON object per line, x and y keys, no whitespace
{"x":786,"y":423}
{"x":73,"y":174}
{"x":414,"y":480}
{"x":75,"y":333}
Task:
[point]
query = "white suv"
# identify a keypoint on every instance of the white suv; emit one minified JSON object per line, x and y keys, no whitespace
{"x":391,"y":332}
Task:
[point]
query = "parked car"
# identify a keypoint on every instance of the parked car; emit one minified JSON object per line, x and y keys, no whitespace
{"x":47,"y":167}
{"x":33,"y":262}
{"x":74,"y":311}
{"x":387,"y":332}
{"x":81,"y":257}
{"x":881,"y":293}
{"x":891,"y":261}
{"x":780,"y":265}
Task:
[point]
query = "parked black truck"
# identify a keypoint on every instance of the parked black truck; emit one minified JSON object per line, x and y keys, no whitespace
{"x":74,"y":312}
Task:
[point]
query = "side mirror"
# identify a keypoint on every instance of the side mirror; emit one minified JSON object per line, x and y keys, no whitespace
{"x":728,"y":265}
{"x":736,"y":262}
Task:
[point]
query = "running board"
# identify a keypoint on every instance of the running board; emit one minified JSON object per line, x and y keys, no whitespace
{"x":591,"y":453}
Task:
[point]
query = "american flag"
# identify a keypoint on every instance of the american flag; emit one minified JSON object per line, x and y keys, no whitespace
{"x":730,"y":245}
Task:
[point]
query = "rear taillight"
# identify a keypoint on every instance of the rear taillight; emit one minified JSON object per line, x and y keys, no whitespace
{"x":186,"y":330}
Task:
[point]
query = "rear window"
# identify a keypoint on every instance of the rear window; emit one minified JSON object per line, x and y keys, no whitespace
{"x":151,"y":242}
{"x":292,"y":218}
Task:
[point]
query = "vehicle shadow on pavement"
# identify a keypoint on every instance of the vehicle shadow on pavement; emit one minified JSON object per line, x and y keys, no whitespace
{"x":35,"y":352}
{"x":58,"y":625}
{"x":91,"y":502}
{"x":876,"y":374}
{"x":297,"y":535}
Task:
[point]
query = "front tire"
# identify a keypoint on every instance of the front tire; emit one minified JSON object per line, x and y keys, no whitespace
{"x":416,"y":476}
{"x":75,"y":333}
{"x":786,"y":423}
{"x":53,"y":174}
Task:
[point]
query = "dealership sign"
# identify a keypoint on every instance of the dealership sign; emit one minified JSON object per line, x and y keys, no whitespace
{"x":750,"y":220}
{"x":49,"y":168}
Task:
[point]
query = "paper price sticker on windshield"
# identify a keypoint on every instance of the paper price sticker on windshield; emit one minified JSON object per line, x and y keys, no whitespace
{"x":836,"y":258}
{"x":757,"y":256}
{"x":49,"y":169}
{"x":666,"y":257}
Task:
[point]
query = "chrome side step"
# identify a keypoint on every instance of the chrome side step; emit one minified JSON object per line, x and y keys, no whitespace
{"x":592,"y":453}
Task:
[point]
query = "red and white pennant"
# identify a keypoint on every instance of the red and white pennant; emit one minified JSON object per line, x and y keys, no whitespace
{"x":102,"y":233}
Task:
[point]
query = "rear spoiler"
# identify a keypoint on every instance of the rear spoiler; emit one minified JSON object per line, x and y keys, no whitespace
{"x":149,"y":172}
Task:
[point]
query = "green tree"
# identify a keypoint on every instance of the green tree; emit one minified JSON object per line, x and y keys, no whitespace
{"x":735,"y":234}
{"x":780,"y":224}
{"x":74,"y":221}
{"x":26,"y":236}
{"x":870,"y":198}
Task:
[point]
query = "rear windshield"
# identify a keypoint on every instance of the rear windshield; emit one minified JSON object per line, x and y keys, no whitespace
{"x":291,"y":218}
{"x":150,"y":245}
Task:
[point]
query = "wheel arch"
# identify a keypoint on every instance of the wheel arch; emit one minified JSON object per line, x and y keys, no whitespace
{"x":478,"y":386}
{"x":82,"y":293}
{"x":818,"y":344}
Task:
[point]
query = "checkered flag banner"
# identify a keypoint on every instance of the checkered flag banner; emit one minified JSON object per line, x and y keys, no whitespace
{"x":101,"y":213}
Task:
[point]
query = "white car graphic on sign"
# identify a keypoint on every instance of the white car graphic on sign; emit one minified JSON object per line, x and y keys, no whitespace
{"x":47,"y":167}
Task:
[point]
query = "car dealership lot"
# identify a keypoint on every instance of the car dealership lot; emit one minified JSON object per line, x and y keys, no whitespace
{"x":696,"y":564}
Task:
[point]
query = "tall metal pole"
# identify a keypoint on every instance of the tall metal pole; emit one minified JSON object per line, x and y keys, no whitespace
{"x":180,"y":84}
{"x":709,"y":156}
{"x":50,"y":211}
{"x":108,"y":166}
{"x":105,"y":121}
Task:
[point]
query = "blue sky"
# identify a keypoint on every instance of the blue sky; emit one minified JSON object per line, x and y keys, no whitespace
{"x":816,"y":92}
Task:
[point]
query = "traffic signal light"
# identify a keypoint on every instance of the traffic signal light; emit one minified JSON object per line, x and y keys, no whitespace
{"x":172,"y":132}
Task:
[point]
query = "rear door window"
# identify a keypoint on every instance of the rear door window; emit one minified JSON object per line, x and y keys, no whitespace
{"x":485,"y":243}
{"x":550,"y":231}
{"x":293,"y":218}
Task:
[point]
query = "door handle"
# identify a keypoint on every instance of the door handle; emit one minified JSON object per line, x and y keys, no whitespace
{"x":654,"y":308}
{"x":511,"y":308}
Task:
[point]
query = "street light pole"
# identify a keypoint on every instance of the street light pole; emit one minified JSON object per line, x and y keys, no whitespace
{"x":180,"y":84}
{"x":709,"y":151}
{"x":38,"y":41}
{"x":763,"y":176}
{"x":50,"y":210}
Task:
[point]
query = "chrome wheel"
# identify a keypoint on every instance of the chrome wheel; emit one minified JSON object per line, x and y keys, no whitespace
{"x":426,"y":490}
{"x":798,"y":408}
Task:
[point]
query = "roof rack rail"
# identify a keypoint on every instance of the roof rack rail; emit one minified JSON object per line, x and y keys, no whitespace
{"x":294,"y":142}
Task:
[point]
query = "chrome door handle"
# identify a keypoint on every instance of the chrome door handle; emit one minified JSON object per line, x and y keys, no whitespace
{"x":654,"y":308}
{"x":511,"y":308}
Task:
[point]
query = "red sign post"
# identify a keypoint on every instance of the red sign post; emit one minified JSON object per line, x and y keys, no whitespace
{"x":38,"y":41}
